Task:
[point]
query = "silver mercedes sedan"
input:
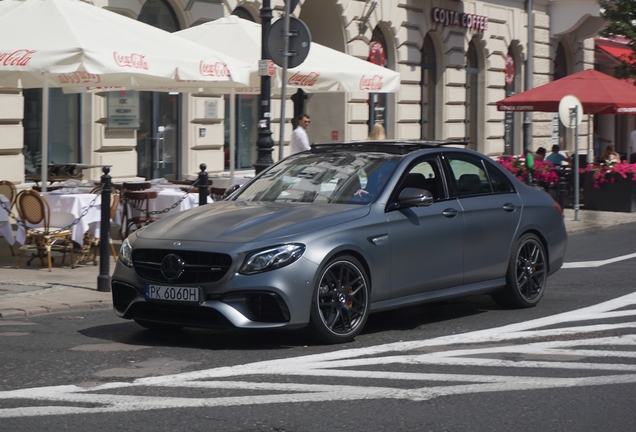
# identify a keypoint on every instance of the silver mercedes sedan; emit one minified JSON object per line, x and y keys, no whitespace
{"x":325,"y":237}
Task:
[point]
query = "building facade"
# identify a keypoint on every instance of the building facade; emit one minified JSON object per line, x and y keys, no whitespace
{"x":456,"y":60}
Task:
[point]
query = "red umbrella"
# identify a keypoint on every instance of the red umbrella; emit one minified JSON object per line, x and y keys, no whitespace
{"x":599,"y":93}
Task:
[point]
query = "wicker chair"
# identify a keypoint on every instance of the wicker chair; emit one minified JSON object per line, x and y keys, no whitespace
{"x":9,"y":191}
{"x":114,"y":205}
{"x":34,"y":209}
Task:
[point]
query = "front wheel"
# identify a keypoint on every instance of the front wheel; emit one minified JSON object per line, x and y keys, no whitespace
{"x":340,"y":305}
{"x":527,"y":274}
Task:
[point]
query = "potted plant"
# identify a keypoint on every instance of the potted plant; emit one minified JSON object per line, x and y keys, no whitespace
{"x":610,"y":186}
{"x":543,"y":173}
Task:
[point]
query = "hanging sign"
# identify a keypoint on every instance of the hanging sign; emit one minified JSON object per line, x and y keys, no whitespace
{"x":123,"y":109}
{"x":510,"y":70}
{"x":376,"y":53}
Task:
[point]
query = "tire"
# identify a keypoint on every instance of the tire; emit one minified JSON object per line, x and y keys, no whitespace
{"x":527,"y":275}
{"x":155,"y":326}
{"x":340,"y":305}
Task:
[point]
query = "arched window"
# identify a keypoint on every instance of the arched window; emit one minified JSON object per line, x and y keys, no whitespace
{"x":429,"y":79}
{"x":472,"y":97}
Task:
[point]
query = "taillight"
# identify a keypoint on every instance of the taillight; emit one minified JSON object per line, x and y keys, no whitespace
{"x":558,"y":208}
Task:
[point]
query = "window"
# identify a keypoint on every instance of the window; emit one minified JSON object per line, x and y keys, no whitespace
{"x":426,"y":174}
{"x":498,"y":181}
{"x":469,"y":175}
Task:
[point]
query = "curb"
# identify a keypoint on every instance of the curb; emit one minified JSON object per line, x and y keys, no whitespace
{"x":63,"y":307}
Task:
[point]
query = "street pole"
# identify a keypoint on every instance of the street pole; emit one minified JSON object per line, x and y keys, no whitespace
{"x":528,"y":86}
{"x":265,"y":143}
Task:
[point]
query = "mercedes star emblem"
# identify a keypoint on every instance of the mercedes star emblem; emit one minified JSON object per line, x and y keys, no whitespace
{"x":172,"y":266}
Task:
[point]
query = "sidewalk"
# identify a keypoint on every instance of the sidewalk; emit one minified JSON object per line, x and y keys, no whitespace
{"x":33,"y":290}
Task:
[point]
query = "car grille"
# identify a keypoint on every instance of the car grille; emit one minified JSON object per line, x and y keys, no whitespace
{"x":200,"y":267}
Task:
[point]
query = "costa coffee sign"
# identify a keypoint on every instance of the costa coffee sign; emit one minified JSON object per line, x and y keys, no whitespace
{"x":16,"y":58}
{"x":216,"y":69}
{"x":373,"y":83}
{"x":78,"y":78}
{"x":134,"y":60}
{"x":448,"y":17}
{"x":303,"y":80}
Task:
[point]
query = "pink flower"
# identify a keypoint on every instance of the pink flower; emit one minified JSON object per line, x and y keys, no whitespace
{"x":608,"y":172}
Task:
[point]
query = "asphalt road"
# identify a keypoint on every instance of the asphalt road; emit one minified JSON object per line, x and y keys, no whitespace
{"x":568,"y":364}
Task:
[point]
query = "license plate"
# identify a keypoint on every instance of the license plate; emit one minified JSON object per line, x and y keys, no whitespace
{"x":181,"y":294}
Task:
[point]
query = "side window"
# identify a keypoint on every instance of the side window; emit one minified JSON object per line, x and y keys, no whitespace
{"x":425,"y":174}
{"x":498,"y":181}
{"x":469,"y":175}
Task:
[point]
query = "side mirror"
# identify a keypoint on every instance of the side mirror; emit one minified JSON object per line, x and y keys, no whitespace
{"x":413,"y":197}
{"x":230,"y":190}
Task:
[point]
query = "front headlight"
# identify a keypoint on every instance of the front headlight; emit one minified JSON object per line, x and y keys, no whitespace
{"x":125,"y":253}
{"x":271,"y":258}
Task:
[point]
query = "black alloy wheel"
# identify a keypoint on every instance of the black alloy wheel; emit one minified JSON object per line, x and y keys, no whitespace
{"x":340,"y":306}
{"x":527,"y":274}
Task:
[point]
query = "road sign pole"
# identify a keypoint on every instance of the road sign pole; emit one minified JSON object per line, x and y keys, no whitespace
{"x":283,"y":97}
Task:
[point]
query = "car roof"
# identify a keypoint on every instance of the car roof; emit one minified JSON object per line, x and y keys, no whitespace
{"x":384,"y":146}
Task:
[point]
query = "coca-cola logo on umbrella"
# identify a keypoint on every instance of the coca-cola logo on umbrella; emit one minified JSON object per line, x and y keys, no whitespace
{"x":216,"y":69}
{"x":19,"y":57}
{"x":373,"y":83}
{"x":78,"y":77}
{"x":303,"y":80}
{"x":133,"y":60}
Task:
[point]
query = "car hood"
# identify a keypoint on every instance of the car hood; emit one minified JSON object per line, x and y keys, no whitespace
{"x":240,"y":221}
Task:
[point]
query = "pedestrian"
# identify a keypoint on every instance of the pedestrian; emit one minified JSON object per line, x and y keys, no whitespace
{"x":557,"y":158}
{"x":540,"y":154}
{"x":610,"y":155}
{"x":299,"y":139}
{"x":377,"y":133}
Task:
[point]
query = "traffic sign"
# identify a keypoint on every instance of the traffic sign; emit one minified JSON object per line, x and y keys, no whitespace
{"x":299,"y":42}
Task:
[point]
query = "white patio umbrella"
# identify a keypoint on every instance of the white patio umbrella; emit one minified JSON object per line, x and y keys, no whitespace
{"x":323,"y":70}
{"x":71,"y":44}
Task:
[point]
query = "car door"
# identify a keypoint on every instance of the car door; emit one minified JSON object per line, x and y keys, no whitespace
{"x":426,"y":242}
{"x":491,"y":211}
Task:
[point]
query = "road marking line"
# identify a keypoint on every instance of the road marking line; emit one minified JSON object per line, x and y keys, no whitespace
{"x":589,"y":264}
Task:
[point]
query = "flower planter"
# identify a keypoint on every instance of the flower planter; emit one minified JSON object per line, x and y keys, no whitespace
{"x":619,"y":196}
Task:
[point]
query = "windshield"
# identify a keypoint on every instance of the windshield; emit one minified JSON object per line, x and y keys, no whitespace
{"x":334,"y":177}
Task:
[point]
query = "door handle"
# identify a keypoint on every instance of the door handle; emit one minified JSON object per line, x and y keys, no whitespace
{"x":509,"y":207}
{"x":450,"y":212}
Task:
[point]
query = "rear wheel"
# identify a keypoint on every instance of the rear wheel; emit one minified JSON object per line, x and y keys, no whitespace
{"x":527,"y":274}
{"x":340,"y":305}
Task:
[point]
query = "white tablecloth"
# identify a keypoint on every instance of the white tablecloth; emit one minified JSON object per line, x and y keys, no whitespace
{"x":65,"y":208}
{"x":5,"y":223}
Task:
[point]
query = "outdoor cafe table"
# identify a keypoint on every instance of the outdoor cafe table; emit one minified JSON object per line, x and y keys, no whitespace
{"x":65,"y":208}
{"x":5,"y":224}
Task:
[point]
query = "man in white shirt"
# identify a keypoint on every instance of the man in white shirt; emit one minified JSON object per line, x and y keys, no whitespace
{"x":299,"y":139}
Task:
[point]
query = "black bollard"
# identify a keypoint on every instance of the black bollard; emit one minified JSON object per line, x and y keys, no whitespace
{"x":203,"y":185}
{"x":103,"y":280}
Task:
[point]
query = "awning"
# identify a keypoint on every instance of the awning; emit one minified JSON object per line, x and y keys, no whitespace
{"x":599,"y":94}
{"x":619,"y":53}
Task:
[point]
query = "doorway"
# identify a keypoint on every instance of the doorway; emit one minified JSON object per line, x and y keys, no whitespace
{"x":159,"y":134}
